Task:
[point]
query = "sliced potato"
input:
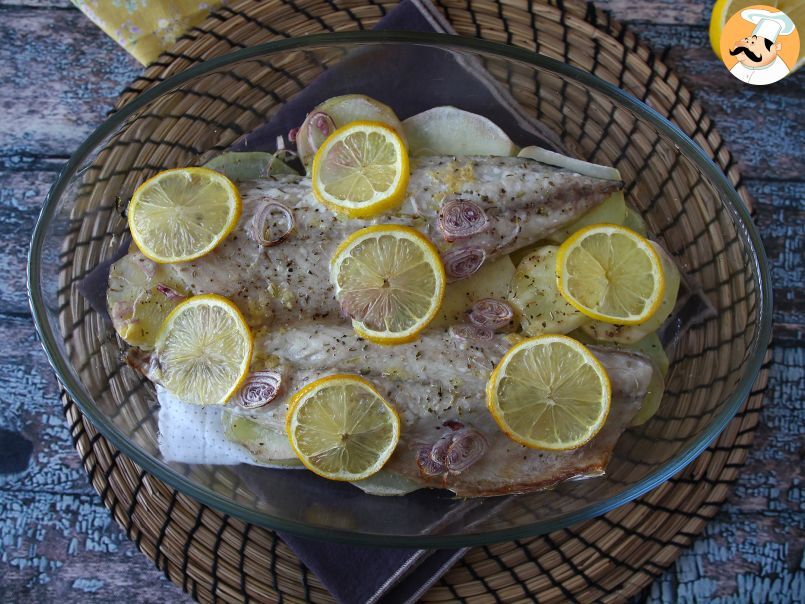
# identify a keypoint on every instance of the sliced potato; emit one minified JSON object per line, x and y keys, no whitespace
{"x":635,"y":221}
{"x":452,"y":131}
{"x":631,"y":334}
{"x":517,"y":256}
{"x":342,"y":110}
{"x":267,"y":446}
{"x":611,"y":211}
{"x":136,"y":306}
{"x":249,"y":165}
{"x":386,"y":484}
{"x":535,"y":296}
{"x":491,"y":281}
{"x":656,"y":390}
{"x":570,"y":163}
{"x":652,"y":348}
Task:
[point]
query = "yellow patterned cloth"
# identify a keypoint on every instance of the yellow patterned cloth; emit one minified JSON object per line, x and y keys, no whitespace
{"x":146,"y":27}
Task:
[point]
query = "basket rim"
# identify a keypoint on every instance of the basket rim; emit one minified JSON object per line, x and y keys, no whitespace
{"x":691,"y":150}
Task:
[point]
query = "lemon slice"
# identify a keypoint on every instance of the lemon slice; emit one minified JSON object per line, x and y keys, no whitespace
{"x":611,"y":274}
{"x":390,"y":280}
{"x":341,"y":428}
{"x":724,"y":9}
{"x":631,"y":334}
{"x":204,"y":349}
{"x":549,"y":392}
{"x":182,"y":214}
{"x":361,"y":169}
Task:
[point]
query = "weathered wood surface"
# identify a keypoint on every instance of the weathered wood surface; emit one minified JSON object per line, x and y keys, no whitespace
{"x":59,"y":77}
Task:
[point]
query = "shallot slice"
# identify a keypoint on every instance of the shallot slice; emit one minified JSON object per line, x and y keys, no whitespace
{"x":491,"y":313}
{"x":454,"y":452}
{"x":425,"y":462}
{"x":467,"y":446}
{"x":461,"y":262}
{"x":438,"y":452}
{"x":321,"y":123}
{"x":459,"y":219}
{"x":261,"y":388}
{"x":169,"y":292}
{"x":471,"y":333}
{"x":263,"y":222}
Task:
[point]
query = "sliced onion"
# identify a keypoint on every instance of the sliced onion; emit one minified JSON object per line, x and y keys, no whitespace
{"x":461,"y":262}
{"x":467,"y":446}
{"x":491,"y":313}
{"x":425,"y":462}
{"x":438,"y":452}
{"x":169,"y":292}
{"x":454,"y":452}
{"x":261,"y":222}
{"x":261,"y":388}
{"x":460,"y":218}
{"x":471,"y":333}
{"x":321,"y":123}
{"x":292,"y":134}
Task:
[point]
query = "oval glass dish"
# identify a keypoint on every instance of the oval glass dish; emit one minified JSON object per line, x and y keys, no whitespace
{"x":686,"y":201}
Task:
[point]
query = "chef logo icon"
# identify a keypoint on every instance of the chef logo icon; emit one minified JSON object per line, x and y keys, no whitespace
{"x":760,"y":45}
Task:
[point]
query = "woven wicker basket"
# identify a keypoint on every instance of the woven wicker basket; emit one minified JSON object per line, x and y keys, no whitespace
{"x":216,"y":557}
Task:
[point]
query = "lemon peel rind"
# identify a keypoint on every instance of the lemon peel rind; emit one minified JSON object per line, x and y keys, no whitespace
{"x":305,"y":391}
{"x":224,"y":302}
{"x":396,"y":195}
{"x":232,"y":220}
{"x":494,"y":380}
{"x":659,"y":292}
{"x":378,"y":337}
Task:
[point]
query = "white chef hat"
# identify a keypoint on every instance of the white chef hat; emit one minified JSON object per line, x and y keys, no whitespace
{"x":769,"y":25}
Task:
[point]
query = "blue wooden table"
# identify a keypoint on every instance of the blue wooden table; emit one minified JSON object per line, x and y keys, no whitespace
{"x":59,"y":75}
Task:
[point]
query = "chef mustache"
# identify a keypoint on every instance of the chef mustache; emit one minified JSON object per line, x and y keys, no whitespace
{"x":752,"y":56}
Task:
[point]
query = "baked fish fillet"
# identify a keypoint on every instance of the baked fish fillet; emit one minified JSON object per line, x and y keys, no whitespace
{"x":523,"y":201}
{"x":440,"y":379}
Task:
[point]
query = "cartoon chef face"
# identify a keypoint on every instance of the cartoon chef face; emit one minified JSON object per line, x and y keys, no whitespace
{"x":755,"y":51}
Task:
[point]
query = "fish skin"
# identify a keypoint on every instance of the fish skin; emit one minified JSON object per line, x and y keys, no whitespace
{"x":437,"y":379}
{"x":524,"y":201}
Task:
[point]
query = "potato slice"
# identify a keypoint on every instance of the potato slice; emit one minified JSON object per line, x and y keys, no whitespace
{"x":535,"y":296}
{"x":249,"y":165}
{"x":452,"y":131}
{"x":491,"y":281}
{"x":652,"y":348}
{"x":570,"y":163}
{"x":134,"y":300}
{"x":267,"y":446}
{"x":635,"y":222}
{"x":611,"y":211}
